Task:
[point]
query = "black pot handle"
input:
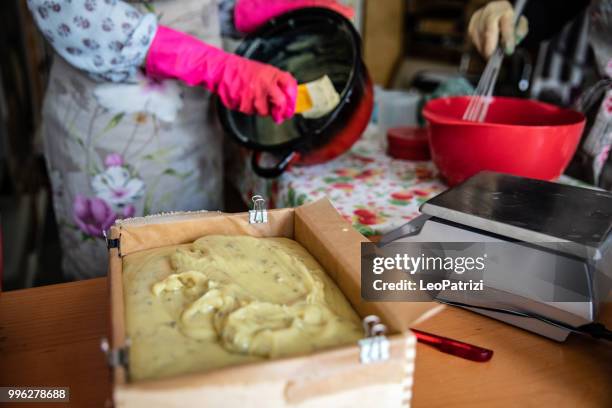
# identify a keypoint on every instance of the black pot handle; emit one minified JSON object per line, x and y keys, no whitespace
{"x":271,"y":172}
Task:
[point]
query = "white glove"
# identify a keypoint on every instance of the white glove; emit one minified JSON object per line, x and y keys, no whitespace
{"x":489,"y":21}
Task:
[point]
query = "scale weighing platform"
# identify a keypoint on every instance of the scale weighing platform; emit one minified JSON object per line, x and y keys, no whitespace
{"x":556,"y":263}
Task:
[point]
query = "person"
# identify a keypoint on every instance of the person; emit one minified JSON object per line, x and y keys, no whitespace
{"x":127,"y":127}
{"x":541,"y":19}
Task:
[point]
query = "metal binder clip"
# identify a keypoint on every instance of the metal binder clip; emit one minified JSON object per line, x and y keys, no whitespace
{"x":259,"y":214}
{"x":375,"y":346}
{"x":115,"y":357}
{"x":112,"y":243}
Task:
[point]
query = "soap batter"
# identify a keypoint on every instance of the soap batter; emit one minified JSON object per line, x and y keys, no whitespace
{"x":227,"y":300}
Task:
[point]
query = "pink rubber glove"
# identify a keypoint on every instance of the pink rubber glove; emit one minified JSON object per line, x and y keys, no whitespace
{"x":251,"y":14}
{"x":244,"y":85}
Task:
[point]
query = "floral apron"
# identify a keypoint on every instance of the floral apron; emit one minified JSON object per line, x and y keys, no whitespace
{"x":118,"y":150}
{"x":599,"y":140}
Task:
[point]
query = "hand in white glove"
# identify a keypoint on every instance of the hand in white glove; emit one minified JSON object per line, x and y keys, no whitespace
{"x":489,"y":21}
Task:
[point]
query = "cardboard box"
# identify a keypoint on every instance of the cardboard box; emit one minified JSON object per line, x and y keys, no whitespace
{"x":335,"y":377}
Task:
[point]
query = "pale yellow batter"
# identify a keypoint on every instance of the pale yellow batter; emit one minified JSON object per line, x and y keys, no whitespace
{"x":227,"y":300}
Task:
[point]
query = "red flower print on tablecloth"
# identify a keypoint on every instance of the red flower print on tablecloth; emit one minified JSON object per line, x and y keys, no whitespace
{"x":343,"y":186}
{"x":420,"y":193}
{"x":423,"y":173}
{"x":401,"y":198}
{"x":372,"y":191}
{"x":411,"y":196}
{"x":356,"y":173}
{"x":345,"y":172}
{"x":364,"y":220}
{"x":363,"y":159}
{"x":349,"y":174}
{"x":368,"y":174}
{"x":366,"y":217}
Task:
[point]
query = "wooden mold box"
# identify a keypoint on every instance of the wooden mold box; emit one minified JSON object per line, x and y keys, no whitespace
{"x":335,"y":377}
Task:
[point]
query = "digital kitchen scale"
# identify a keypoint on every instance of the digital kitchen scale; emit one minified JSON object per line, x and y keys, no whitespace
{"x":555,"y":263}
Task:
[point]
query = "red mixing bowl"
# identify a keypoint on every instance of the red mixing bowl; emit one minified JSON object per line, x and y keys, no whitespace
{"x":520,"y":136}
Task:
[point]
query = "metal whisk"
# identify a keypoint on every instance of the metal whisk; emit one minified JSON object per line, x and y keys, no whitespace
{"x":481,"y":99}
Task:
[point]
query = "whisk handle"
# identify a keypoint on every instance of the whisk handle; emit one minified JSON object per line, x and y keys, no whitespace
{"x":519,"y":6}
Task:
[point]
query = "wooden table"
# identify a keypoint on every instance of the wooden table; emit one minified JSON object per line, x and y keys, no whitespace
{"x":51,"y":335}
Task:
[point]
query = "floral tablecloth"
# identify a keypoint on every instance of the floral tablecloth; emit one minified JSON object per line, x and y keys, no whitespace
{"x":371,"y":190}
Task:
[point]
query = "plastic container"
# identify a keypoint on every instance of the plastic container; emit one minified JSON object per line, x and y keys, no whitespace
{"x":408,"y":143}
{"x":521,"y":137}
{"x":396,"y":108}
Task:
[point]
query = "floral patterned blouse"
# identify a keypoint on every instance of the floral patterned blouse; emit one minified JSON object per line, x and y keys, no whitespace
{"x":107,"y":38}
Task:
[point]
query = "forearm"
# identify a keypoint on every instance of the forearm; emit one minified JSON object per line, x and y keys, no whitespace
{"x":108,"y":38}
